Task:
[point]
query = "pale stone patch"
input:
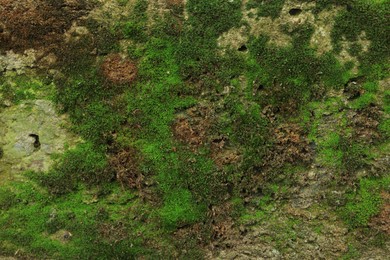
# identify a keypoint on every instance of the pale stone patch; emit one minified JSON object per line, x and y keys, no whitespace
{"x":323,"y":26}
{"x":268,"y":26}
{"x":15,"y":62}
{"x":18,"y":126}
{"x":110,"y":11}
{"x":234,"y":38}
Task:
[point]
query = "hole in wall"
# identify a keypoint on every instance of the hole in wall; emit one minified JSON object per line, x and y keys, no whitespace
{"x":37,"y":143}
{"x":295,"y":11}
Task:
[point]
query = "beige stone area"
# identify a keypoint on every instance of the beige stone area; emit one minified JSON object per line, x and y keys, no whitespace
{"x":111,"y":11}
{"x":12,"y":62}
{"x":322,"y":23}
{"x":30,"y":133}
{"x":267,"y":25}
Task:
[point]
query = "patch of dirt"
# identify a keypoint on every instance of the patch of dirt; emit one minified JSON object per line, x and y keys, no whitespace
{"x":234,"y":38}
{"x":222,"y":224}
{"x":36,"y":24}
{"x":118,"y":70}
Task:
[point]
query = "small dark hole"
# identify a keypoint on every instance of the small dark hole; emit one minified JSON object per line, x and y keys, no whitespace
{"x":36,"y":144}
{"x":1,"y":29}
{"x":1,"y":152}
{"x":243,"y":48}
{"x":295,"y":11}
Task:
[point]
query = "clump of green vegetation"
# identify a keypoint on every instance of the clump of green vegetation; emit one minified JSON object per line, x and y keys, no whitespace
{"x":364,"y":101}
{"x":365,"y":203}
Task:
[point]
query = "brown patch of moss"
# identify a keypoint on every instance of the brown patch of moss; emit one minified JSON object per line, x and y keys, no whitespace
{"x":37,"y":24}
{"x":365,"y":123}
{"x":222,"y":223}
{"x":118,"y":70}
{"x":382,"y":221}
{"x":222,"y":155}
{"x":125,"y":163}
{"x":290,"y":146}
{"x":191,"y":127}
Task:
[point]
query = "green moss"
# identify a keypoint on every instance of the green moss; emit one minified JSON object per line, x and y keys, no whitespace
{"x":365,"y":203}
{"x":157,"y":98}
{"x":371,"y":87}
{"x":7,"y":199}
{"x":207,"y":21}
{"x":31,"y":227}
{"x":135,"y":26}
{"x":250,"y":130}
{"x":364,"y":101}
{"x":351,"y":254}
{"x":384,"y":127}
{"x":180,"y":207}
{"x":96,"y":122}
{"x":19,"y":88}
{"x":86,"y":163}
{"x":291,"y":72}
{"x":370,"y":18}
{"x":267,"y":8}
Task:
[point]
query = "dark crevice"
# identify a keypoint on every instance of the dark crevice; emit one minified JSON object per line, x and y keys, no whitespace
{"x":243,"y":48}
{"x":295,"y":11}
{"x":37,"y":143}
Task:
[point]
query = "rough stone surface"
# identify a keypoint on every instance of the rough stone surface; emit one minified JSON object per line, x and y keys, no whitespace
{"x":20,"y":150}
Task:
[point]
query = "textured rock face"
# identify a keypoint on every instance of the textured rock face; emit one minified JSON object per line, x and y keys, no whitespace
{"x":29,"y":134}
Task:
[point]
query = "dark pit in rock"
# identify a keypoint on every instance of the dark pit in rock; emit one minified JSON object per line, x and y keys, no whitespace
{"x":243,"y":48}
{"x":295,"y":11}
{"x":37,"y":143}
